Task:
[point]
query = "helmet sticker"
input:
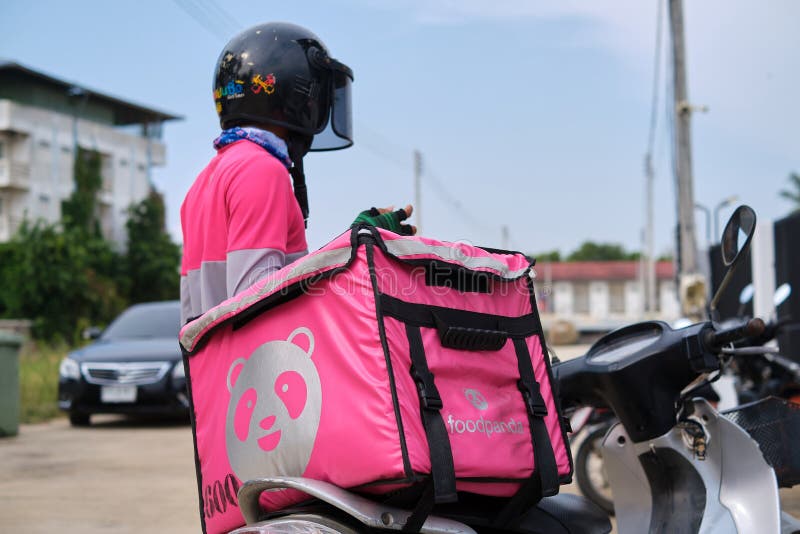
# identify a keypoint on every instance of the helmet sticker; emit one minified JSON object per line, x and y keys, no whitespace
{"x":267,"y":83}
{"x":231,"y":90}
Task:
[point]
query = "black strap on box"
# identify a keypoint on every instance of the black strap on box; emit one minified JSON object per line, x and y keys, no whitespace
{"x":443,"y":473}
{"x":543,"y":482}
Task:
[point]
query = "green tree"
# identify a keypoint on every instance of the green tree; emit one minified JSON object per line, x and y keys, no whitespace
{"x":152,"y":259}
{"x":552,"y":255}
{"x":793,"y":193}
{"x":45,"y":274}
{"x":591,"y":251}
{"x":64,"y":276}
{"x":79,"y":210}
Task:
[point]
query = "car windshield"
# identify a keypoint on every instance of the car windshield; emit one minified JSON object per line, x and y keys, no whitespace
{"x":145,"y":322}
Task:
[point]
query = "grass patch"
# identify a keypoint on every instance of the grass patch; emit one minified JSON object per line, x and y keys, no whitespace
{"x":38,"y":375}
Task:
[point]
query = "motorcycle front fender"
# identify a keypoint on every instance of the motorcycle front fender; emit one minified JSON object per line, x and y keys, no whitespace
{"x":661,"y":485}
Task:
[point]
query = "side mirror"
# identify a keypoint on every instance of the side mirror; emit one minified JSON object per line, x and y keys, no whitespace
{"x":92,"y":333}
{"x":737,"y":234}
{"x":736,"y":240}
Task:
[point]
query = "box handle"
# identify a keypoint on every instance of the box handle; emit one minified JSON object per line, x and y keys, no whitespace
{"x":468,"y":337}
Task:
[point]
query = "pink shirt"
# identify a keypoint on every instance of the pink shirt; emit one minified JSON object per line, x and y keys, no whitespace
{"x":240,"y":222}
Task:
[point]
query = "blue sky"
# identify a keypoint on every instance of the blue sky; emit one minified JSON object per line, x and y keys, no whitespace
{"x":529,"y":114}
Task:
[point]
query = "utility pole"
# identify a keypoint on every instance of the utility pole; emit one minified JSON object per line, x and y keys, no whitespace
{"x":418,"y":190}
{"x":505,"y":238}
{"x":687,"y":248}
{"x":650,"y":262}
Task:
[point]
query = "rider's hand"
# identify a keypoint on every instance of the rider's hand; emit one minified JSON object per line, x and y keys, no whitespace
{"x":388,"y":219}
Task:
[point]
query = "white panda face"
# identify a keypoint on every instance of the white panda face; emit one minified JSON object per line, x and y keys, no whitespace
{"x":274,"y":410}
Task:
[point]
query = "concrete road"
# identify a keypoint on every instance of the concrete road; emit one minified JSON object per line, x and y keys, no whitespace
{"x":118,"y":475}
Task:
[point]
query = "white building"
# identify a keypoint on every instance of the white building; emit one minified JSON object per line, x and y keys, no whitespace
{"x":602,"y":295}
{"x":42,"y":120}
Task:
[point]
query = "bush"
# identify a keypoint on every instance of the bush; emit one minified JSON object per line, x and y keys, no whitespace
{"x":38,"y":375}
{"x":58,"y":278}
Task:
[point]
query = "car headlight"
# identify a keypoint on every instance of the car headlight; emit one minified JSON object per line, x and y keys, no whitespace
{"x":178,"y":371}
{"x":69,"y":368}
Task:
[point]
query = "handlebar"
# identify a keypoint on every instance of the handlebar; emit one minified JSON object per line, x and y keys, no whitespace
{"x":752,"y":328}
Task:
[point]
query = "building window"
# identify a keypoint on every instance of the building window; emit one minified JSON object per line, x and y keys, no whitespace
{"x":107,"y":173}
{"x":580,"y":297}
{"x":44,"y":143}
{"x":2,"y":149}
{"x":616,"y":297}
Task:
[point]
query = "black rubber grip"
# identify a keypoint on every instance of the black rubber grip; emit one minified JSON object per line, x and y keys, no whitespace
{"x":753,"y":327}
{"x":462,"y":338}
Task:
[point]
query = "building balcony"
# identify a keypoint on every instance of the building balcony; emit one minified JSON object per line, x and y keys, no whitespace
{"x":15,"y":175}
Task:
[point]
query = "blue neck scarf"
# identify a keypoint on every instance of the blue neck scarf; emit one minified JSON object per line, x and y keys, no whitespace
{"x":266,"y":140}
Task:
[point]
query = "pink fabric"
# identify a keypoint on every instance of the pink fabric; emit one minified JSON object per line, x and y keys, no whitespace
{"x":243,"y":199}
{"x":240,"y":220}
{"x":304,"y":390}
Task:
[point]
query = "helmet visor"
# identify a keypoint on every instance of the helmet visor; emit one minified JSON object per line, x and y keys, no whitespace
{"x":338,"y":130}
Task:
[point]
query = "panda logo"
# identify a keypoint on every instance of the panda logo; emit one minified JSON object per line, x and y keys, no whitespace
{"x":274,"y":410}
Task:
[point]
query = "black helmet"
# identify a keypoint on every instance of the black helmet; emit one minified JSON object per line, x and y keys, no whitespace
{"x":279,"y":73}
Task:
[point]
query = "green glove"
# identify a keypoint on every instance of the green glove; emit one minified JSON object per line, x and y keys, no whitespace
{"x":391,"y":221}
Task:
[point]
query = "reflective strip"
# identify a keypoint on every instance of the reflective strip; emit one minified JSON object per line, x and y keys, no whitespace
{"x":451,"y":254}
{"x":314,"y":263}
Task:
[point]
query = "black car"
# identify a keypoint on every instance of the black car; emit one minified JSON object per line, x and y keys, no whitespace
{"x":133,"y":367}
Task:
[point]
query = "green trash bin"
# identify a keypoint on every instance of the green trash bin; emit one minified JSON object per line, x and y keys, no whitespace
{"x":9,"y":384}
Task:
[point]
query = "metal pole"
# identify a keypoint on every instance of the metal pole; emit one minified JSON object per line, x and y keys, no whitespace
{"x":687,"y":244}
{"x":705,"y":210}
{"x":650,"y":265}
{"x":418,"y":189}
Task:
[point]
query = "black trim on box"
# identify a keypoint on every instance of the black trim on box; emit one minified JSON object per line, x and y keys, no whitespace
{"x":389,"y":369}
{"x":481,"y":331}
{"x":194,"y":441}
{"x":564,"y":479}
{"x":427,"y":316}
{"x":443,"y":472}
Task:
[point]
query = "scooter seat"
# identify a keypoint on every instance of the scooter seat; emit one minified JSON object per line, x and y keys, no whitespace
{"x":566,"y":513}
{"x":561,"y":514}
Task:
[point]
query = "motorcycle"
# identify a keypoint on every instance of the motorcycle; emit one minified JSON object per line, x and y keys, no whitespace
{"x":589,"y":425}
{"x":674,"y":463}
{"x":769,"y":373}
{"x":753,"y":376}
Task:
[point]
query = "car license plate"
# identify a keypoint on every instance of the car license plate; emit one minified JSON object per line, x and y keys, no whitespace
{"x":113,"y":394}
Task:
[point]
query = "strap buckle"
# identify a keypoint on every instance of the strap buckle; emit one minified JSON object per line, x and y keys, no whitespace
{"x":533,"y":398}
{"x":428,"y":394}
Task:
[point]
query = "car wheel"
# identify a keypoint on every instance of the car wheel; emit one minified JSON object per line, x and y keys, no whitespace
{"x":79,"y":419}
{"x":590,"y":473}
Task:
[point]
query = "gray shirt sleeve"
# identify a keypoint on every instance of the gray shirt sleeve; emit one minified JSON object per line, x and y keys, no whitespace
{"x":246,"y":267}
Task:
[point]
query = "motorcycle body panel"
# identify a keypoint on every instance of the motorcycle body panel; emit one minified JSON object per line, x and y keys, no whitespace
{"x":730,"y":479}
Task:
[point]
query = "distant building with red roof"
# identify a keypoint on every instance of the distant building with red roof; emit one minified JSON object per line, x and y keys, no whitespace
{"x":603,"y":291}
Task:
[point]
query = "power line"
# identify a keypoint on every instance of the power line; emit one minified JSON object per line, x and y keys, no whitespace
{"x":232,"y":26}
{"x":218,"y":22}
{"x":656,"y":76}
{"x":202,"y":18}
